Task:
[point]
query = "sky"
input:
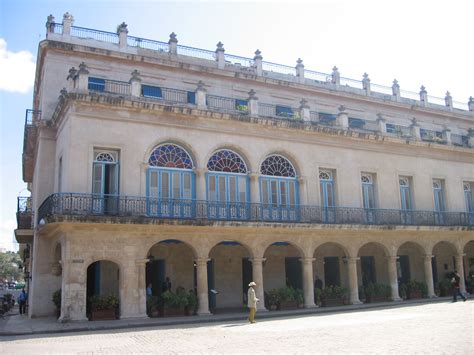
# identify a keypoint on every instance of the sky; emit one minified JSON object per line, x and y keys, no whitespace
{"x":417,"y":42}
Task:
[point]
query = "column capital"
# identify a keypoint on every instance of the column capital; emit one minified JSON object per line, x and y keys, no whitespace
{"x":460,"y":255}
{"x":428,"y":257}
{"x":352,"y":259}
{"x":257,"y":260}
{"x":201,"y":261}
{"x":307,"y":260}
{"x":140,"y":262}
{"x":392,"y":257}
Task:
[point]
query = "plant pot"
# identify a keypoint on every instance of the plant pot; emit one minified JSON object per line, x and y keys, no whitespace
{"x":103,"y":314}
{"x":273,"y":307}
{"x":332,"y":302}
{"x":154,"y":313}
{"x":414,"y":295}
{"x":173,"y":312}
{"x":372,"y":299}
{"x":288,"y":305}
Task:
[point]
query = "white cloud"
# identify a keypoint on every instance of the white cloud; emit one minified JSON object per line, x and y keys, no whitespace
{"x":17,"y":70}
{"x":7,"y":236}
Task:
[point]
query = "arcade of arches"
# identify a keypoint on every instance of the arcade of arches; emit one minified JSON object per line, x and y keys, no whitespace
{"x":226,"y":258}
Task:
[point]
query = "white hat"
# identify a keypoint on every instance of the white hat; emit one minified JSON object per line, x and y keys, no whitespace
{"x":252,"y":284}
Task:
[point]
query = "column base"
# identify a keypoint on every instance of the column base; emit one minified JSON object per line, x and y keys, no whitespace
{"x":356,"y":302}
{"x":136,"y":316}
{"x":207,"y":313}
{"x":262,"y":309}
{"x":398,"y":299}
{"x":311,"y":306}
{"x":67,"y":320}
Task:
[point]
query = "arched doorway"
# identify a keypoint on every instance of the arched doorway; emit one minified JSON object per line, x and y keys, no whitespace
{"x":469,"y":266}
{"x":103,"y":286}
{"x":229,"y":273}
{"x":410,"y":263}
{"x":443,"y":262}
{"x":170,"y":267}
{"x":372,"y":267}
{"x":329,"y":265}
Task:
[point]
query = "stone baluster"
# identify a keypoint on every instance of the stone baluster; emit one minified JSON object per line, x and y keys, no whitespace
{"x":122,"y":31}
{"x":257,"y":274}
{"x":382,"y":122}
{"x":83,"y":77}
{"x":353,"y":282}
{"x":415,"y":129}
{"x":423,"y":96}
{"x":300,"y":70}
{"x":470,"y":104}
{"x":68,"y":20}
{"x":173,"y":44}
{"x":304,"y":110}
{"x":447,"y":135}
{"x":448,"y":100}
{"x":135,"y":84}
{"x":220,"y":57}
{"x":343,"y":118}
{"x":393,"y":277}
{"x":49,"y":25}
{"x":202,"y":288}
{"x":308,"y":288}
{"x":71,"y":79}
{"x":366,"y":84}
{"x":335,"y":76}
{"x":396,"y":90}
{"x":201,"y":96}
{"x":253,"y":103}
{"x":429,"y":275}
{"x":257,"y":62}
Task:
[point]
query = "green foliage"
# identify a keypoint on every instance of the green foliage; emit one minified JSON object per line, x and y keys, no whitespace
{"x":104,"y":302}
{"x":153,"y":303}
{"x":285,"y":294}
{"x":299,"y":296}
{"x":192,"y":300}
{"x":377,"y":290}
{"x":444,"y":287}
{"x":175,"y":300}
{"x":334,"y":292}
{"x":57,"y":298}
{"x":8,"y":297}
{"x":318,"y":293}
{"x":402,"y":290}
{"x":413,"y":286}
{"x":10,"y":263}
{"x":274,"y":297}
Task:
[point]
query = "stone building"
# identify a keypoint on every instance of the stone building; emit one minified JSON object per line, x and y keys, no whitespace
{"x":149,"y":159}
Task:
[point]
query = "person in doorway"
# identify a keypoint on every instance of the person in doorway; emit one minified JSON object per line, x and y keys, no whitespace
{"x":455,"y":282}
{"x":166,"y":285}
{"x":149,"y":291}
{"x":318,"y":283}
{"x":252,"y":302}
{"x":22,"y":301}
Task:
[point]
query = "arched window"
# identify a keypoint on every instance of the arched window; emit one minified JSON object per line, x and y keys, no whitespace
{"x":278,"y":188}
{"x":170,"y":182}
{"x":227,"y":185}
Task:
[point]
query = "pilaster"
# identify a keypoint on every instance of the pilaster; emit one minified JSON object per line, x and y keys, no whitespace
{"x":202,"y":288}
{"x":393,"y":277}
{"x":257,"y":273}
{"x":429,"y":275}
{"x":308,"y":287}
{"x":353,"y":282}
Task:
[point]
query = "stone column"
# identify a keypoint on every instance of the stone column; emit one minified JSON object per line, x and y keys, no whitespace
{"x":447,"y":135}
{"x":353,"y":282}
{"x":382,"y":122}
{"x":74,"y":290}
{"x":220,"y":57}
{"x":141,"y":284}
{"x":202,"y":288}
{"x":68,"y":20}
{"x":393,"y":277}
{"x":201,"y":96}
{"x":83,"y":77}
{"x":304,"y":110}
{"x":343,"y":118}
{"x":308,"y":287}
{"x":366,"y":84}
{"x":448,"y":100}
{"x":253,"y":103}
{"x":423,"y":96}
{"x":335,"y":76}
{"x":135,"y":84}
{"x":300,"y":71}
{"x":254,"y":188}
{"x":122,"y":32}
{"x":257,"y":62}
{"x":173,"y":44}
{"x":460,"y":268}
{"x":429,"y":275}
{"x":396,"y":90}
{"x":257,"y":273}
{"x":132,"y":289}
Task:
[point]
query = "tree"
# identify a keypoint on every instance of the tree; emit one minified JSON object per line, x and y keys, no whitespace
{"x":10,"y":264}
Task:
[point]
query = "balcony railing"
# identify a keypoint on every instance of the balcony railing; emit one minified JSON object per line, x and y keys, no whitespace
{"x":72,"y":204}
{"x":24,"y":213}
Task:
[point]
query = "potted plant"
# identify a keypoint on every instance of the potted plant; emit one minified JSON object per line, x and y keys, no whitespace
{"x":318,"y":295}
{"x":153,"y":306}
{"x":287,"y":298}
{"x":273,"y":299}
{"x":402,"y":291}
{"x":333,"y":296}
{"x":191,"y":307}
{"x":299,"y":297}
{"x":444,"y":287}
{"x":416,"y":290}
{"x":56,"y":298}
{"x":375,"y":292}
{"x":104,"y":307}
{"x":174,"y":303}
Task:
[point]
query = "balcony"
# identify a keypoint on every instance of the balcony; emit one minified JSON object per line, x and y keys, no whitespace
{"x":29,"y":139}
{"x":24,"y":218}
{"x":145,"y":210}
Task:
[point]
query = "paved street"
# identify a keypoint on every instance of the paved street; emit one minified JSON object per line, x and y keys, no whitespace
{"x":423,"y":328}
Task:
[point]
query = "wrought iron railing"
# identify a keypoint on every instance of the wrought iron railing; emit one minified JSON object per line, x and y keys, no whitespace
{"x":283,"y":72}
{"x":72,"y":204}
{"x":227,"y":104}
{"x":24,"y":212}
{"x":112,"y":87}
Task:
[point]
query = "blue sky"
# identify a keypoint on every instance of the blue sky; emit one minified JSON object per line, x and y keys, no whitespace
{"x":417,"y":42}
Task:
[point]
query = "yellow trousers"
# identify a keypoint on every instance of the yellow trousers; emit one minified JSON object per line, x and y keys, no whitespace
{"x":252,"y":315}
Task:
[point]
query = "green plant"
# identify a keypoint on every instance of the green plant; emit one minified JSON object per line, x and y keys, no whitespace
{"x":57,"y":298}
{"x":333,"y":292}
{"x":274,"y":297}
{"x":287,"y":294}
{"x":174,"y":300}
{"x":370,"y":290}
{"x":444,"y":287}
{"x":192,"y":300}
{"x":153,"y":303}
{"x":402,"y":290}
{"x":299,"y":296}
{"x":99,"y":302}
{"x":318,"y":295}
{"x":413,"y":286}
{"x":382,"y":290}
{"x":8,"y":297}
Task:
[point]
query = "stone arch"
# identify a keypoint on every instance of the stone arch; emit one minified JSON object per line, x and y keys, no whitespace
{"x":103,"y":278}
{"x":372,"y":266}
{"x":328,"y":266}
{"x":229,"y":272}
{"x":410,"y":263}
{"x":237,"y":150}
{"x":444,"y":260}
{"x":182,"y":144}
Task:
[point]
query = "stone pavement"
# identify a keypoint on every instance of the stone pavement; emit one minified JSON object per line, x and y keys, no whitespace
{"x":15,"y":324}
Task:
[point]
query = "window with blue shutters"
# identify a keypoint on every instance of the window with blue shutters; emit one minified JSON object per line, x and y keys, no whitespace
{"x":406,"y":212}
{"x":191,"y":97}
{"x":105,"y":182}
{"x":96,"y":84}
{"x":468,"y":196}
{"x":227,"y":186}
{"x":151,"y":91}
{"x":170,"y":182}
{"x":284,"y":111}
{"x":368,"y":197}
{"x":326,"y":184}
{"x":439,"y":206}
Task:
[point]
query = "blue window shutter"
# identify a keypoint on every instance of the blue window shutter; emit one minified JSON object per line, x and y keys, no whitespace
{"x":191,"y":97}
{"x":151,"y":91}
{"x":96,"y":84}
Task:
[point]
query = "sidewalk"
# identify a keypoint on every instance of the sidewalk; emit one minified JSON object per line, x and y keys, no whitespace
{"x":14,"y":324}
